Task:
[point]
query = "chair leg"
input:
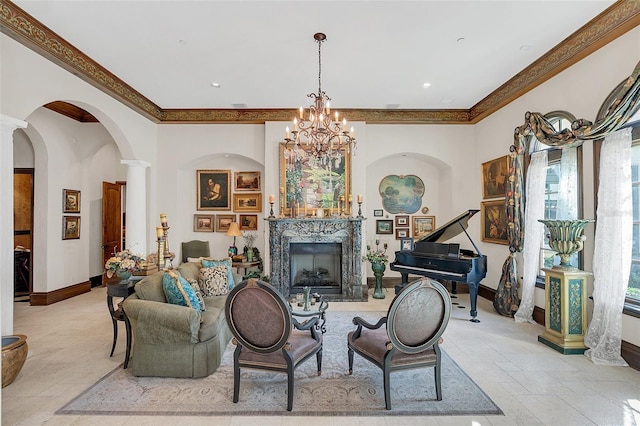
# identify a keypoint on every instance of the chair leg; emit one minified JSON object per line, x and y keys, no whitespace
{"x":236,"y":383}
{"x":290,"y":389}
{"x":438,"y":382}
{"x":387,"y":388}
{"x":350,"y":354}
{"x":319,"y":361}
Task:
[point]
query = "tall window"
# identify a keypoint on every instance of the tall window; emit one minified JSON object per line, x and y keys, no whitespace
{"x":633,"y":290}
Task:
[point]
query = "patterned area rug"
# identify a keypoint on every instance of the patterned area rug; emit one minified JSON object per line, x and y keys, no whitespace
{"x":334,"y":393}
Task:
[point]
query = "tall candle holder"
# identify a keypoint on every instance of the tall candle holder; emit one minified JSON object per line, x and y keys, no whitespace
{"x":342,"y":206}
{"x":359,"y":209}
{"x":168,"y":256}
{"x":271,"y":216}
{"x":281,"y":204}
{"x":160,"y":256}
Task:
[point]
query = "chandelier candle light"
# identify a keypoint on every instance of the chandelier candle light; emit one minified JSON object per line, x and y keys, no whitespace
{"x":324,"y":137}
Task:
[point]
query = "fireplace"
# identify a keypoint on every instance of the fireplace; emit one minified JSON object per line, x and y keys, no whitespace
{"x":324,"y":254}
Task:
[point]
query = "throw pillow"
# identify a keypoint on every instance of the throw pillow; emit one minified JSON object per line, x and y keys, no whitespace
{"x":207,"y":262}
{"x":214,"y":281}
{"x":178,"y":291}
{"x":196,"y":288}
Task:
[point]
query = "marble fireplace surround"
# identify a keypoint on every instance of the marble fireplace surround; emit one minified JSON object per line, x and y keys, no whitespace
{"x":345,"y":231}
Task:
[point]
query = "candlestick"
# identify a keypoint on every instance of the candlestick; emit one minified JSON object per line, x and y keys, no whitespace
{"x":281,"y":202}
{"x":159,"y":231}
{"x":359,"y":207}
{"x":271,"y":216}
{"x":163,"y":219}
{"x":272,"y":198}
{"x":360,"y":198}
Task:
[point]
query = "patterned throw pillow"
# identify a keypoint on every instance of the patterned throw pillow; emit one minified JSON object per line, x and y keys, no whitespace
{"x":208,"y":262}
{"x":214,"y":281}
{"x":196,"y":288}
{"x":178,"y":291}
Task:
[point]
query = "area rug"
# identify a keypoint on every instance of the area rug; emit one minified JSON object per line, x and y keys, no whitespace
{"x":334,"y":393}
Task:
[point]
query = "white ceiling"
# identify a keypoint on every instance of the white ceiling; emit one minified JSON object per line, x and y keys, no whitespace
{"x":378,"y":54}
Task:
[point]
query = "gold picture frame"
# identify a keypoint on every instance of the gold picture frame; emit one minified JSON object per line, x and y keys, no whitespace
{"x":70,"y":201}
{"x":203,"y":222}
{"x":70,"y":227}
{"x":422,"y":225}
{"x":246,"y":181}
{"x":494,"y":222}
{"x":248,"y":222}
{"x":314,"y":184}
{"x":494,"y":177}
{"x":213,"y":189}
{"x":223,"y":221}
{"x":247,"y":202}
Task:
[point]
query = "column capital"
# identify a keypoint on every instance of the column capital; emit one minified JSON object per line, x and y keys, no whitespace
{"x":135,"y":163}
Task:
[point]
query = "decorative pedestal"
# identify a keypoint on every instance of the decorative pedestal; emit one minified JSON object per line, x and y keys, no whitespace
{"x":565,"y":310}
{"x":378,"y":271}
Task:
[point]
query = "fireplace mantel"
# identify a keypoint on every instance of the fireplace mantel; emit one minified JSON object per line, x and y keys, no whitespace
{"x":346,"y":231}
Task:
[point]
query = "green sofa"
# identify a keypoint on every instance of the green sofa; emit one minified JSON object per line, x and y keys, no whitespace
{"x":171,"y":340}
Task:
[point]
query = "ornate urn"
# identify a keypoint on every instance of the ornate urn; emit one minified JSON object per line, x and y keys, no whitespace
{"x":566,"y":238}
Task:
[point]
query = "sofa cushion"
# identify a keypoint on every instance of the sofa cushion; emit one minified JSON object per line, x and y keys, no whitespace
{"x":150,"y":288}
{"x":199,"y":295}
{"x":213,"y":321}
{"x":178,"y":291}
{"x":208,"y":262}
{"x":214,"y":281}
{"x":190,"y":271}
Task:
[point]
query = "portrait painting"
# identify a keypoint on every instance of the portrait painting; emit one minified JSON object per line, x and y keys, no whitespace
{"x":310,"y":184}
{"x":246,"y":181}
{"x":494,"y":222}
{"x":223,"y":221}
{"x":248,"y":222}
{"x":494,"y":177}
{"x":71,"y":201}
{"x":70,"y":227}
{"x":203,"y":222}
{"x":213,"y":189}
{"x":422,"y":226}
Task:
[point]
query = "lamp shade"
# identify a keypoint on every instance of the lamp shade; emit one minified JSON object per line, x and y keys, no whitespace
{"x":233,"y":230}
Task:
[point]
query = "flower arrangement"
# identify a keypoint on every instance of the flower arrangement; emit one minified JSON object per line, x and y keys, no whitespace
{"x":124,"y":261}
{"x":378,"y":255}
{"x":249,"y":238}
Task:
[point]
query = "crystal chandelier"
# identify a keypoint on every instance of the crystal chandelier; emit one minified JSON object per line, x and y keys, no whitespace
{"x":319,"y":136}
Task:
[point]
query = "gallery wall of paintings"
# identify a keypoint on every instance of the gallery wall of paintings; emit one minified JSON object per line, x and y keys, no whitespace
{"x":492,"y":209}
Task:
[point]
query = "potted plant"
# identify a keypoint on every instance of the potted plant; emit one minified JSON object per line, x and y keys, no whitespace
{"x":123,"y":264}
{"x":249,"y":239}
{"x":378,"y":259}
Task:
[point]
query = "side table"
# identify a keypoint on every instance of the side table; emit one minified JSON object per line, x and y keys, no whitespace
{"x":120,"y":289}
{"x":245,"y":265}
{"x":318,"y":310}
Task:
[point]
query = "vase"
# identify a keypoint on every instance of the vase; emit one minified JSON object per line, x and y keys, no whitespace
{"x":565,"y":238}
{"x":378,"y":271}
{"x":249,"y":254}
{"x":14,"y":354}
{"x":124,"y":275}
{"x":307,"y":298}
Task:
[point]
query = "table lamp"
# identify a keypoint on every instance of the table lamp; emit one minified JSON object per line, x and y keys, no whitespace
{"x":234,"y":232}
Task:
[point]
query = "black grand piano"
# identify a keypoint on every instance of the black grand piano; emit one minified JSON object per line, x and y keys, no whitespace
{"x":434,"y":259}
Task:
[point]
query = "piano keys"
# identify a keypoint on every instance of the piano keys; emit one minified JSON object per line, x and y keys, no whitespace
{"x":440,"y":261}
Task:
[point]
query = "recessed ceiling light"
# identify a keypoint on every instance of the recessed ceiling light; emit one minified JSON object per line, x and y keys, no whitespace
{"x":182,"y":42}
{"x":216,"y":85}
{"x":425,"y":85}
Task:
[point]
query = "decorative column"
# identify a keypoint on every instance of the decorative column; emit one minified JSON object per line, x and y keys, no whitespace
{"x":7,"y":126}
{"x":136,"y":205}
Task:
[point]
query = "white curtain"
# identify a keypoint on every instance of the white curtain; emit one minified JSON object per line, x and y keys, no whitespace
{"x":568,"y":188}
{"x":535,"y":181}
{"x":612,"y":252}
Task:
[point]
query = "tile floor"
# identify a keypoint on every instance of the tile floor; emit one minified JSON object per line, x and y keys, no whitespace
{"x":69,"y":344}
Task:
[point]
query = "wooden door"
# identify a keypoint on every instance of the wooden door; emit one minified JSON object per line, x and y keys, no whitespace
{"x":111,"y":221}
{"x":23,"y":230}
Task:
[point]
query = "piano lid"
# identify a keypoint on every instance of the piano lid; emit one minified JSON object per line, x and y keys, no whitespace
{"x":450,"y":229}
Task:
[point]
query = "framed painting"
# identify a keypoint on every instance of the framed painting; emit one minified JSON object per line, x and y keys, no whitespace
{"x":309,"y":184}
{"x":70,"y":227}
{"x":406,"y":244}
{"x":384,"y":226}
{"x":246,"y":181}
{"x":70,"y":201}
{"x":248,"y":222}
{"x":423,"y":225}
{"x":494,"y":222}
{"x":223,"y":221}
{"x":402,"y":221}
{"x":378,"y":213}
{"x":401,"y":193}
{"x":247,"y":202}
{"x":203,"y":222}
{"x":494,"y":177}
{"x":402,"y":233}
{"x":213,"y":189}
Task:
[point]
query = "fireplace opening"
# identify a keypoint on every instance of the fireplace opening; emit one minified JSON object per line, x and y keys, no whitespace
{"x":317,"y":265}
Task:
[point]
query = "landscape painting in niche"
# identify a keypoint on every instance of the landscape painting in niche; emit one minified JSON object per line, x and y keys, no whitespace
{"x":309,"y":183}
{"x":246,"y":181}
{"x":213,"y":189}
{"x":401,"y":193}
{"x":223,"y":221}
{"x":494,"y":177}
{"x":203,"y":222}
{"x":247,"y":202}
{"x":494,"y":222}
{"x":71,"y":201}
{"x":248,"y":222}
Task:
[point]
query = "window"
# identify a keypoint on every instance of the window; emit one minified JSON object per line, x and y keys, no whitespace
{"x":558,"y":202}
{"x":633,"y":290}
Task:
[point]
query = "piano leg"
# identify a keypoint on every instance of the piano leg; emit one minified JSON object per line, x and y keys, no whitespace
{"x":473,"y":298}
{"x":405,"y":281}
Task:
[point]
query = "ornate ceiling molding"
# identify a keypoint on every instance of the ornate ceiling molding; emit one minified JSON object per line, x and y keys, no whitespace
{"x":619,"y":18}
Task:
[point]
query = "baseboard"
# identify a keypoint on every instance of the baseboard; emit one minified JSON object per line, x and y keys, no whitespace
{"x":43,"y":299}
{"x":630,"y":352}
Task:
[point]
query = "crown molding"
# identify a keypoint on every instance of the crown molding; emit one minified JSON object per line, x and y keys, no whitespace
{"x":616,"y":20}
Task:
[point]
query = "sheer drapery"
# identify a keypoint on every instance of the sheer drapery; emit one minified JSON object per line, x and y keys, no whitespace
{"x":568,"y":190}
{"x":535,"y":184}
{"x":612,"y":252}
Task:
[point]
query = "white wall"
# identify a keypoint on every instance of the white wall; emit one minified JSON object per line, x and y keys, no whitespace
{"x":23,"y":156}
